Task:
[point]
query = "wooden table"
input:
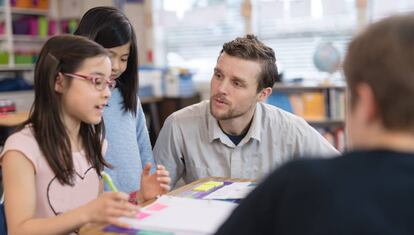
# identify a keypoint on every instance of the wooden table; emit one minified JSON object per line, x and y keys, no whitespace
{"x":94,"y":229}
{"x":14,"y":119}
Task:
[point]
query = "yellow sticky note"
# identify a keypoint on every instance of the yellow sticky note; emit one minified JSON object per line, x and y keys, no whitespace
{"x":207,"y":186}
{"x":203,"y":188}
{"x":214,"y":183}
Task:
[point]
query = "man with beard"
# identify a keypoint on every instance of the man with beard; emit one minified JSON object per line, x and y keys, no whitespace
{"x":235,"y":134}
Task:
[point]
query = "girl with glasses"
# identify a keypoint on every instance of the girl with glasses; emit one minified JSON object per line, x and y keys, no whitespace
{"x":52,"y":165}
{"x":129,"y":147}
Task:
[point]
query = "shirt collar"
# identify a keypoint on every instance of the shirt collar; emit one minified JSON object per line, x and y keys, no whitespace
{"x":215,"y":132}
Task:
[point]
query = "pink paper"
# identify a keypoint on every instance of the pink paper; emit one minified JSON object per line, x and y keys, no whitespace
{"x":142,"y":215}
{"x":156,"y":207}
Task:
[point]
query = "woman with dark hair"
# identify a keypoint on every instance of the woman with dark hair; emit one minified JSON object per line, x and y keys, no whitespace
{"x":129,"y":147}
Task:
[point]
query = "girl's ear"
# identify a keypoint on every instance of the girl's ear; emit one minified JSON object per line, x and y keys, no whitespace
{"x":59,"y":83}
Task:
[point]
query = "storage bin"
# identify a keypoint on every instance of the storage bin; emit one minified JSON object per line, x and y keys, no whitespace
{"x":42,"y":4}
{"x":23,"y":59}
{"x":2,"y":28}
{"x":33,"y":26}
{"x":42,"y":26}
{"x":4,"y":58}
{"x":21,"y":26}
{"x":23,"y":3}
{"x":52,"y":27}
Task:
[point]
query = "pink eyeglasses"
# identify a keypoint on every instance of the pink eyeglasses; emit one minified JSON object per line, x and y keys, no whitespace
{"x":100,"y":83}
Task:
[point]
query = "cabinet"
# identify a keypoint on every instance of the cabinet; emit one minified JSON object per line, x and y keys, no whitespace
{"x":322,"y":106}
{"x":24,"y":27}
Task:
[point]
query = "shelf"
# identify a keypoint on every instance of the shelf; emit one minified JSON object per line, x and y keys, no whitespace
{"x":28,"y":38}
{"x":23,"y":99}
{"x":326,"y":122}
{"x":20,"y":67}
{"x":302,"y":88}
{"x":29,"y":11}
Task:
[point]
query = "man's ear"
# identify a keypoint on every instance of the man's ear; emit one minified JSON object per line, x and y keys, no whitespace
{"x":59,"y":83}
{"x":367,"y":104}
{"x":264,"y":93}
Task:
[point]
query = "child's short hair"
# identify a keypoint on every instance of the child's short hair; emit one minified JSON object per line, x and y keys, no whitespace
{"x":251,"y":48}
{"x":383,"y":57}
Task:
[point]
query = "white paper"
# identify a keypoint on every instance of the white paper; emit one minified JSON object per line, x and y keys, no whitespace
{"x":184,"y":216}
{"x":236,"y":190}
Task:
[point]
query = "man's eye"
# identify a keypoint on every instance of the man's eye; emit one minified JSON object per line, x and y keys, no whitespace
{"x":236,"y":83}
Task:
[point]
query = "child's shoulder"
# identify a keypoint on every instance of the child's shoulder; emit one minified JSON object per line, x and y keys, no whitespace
{"x":25,"y":134}
{"x":22,"y":140}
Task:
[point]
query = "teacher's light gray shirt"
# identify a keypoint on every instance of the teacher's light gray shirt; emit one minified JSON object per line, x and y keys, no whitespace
{"x":192,"y":145}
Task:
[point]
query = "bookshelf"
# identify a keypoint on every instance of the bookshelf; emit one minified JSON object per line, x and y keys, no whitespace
{"x":322,"y":106}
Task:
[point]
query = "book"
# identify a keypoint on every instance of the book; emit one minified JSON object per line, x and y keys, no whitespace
{"x":313,"y":106}
{"x":182,"y":215}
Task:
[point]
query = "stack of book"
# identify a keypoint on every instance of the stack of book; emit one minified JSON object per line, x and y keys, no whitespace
{"x":7,"y":107}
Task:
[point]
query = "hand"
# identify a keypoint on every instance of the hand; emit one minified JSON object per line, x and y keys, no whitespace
{"x":109,"y":207}
{"x":155,"y":184}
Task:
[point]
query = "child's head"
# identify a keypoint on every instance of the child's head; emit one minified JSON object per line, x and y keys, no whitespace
{"x":380,"y":62}
{"x":109,"y":27}
{"x":58,"y":88}
{"x":71,"y":83}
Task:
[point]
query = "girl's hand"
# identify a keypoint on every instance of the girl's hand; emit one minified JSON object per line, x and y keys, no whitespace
{"x":109,"y":207}
{"x":155,"y":184}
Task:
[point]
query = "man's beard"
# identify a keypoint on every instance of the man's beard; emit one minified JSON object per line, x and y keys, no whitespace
{"x":230,"y":114}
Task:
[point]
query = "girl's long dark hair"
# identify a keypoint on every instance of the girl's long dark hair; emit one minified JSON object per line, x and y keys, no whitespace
{"x":65,"y":54}
{"x":109,"y":27}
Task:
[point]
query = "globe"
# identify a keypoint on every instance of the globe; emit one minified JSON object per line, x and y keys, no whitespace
{"x":326,"y":58}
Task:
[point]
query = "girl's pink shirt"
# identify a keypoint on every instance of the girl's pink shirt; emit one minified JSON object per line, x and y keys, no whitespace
{"x":53,"y":198}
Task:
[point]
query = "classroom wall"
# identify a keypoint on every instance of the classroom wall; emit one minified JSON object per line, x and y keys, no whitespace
{"x":136,"y":14}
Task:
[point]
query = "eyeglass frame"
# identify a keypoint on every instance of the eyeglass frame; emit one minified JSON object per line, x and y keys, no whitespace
{"x":111,"y":83}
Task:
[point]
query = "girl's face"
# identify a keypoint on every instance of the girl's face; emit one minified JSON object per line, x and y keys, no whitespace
{"x":83,"y":100}
{"x":119,"y":59}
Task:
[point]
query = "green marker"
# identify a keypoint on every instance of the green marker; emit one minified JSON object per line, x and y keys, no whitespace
{"x":109,"y":182}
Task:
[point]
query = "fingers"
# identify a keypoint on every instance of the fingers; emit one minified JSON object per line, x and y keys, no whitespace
{"x":163,"y":176}
{"x":118,"y":205}
{"x":165,"y":188}
{"x":125,"y":206}
{"x":164,"y":180}
{"x":147,"y":169}
{"x":121,"y":196}
{"x":161,"y":171}
{"x":120,"y":212}
{"x":115,"y":221}
{"x":160,"y":167}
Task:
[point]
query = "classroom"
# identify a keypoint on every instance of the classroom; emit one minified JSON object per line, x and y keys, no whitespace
{"x":202,"y":117}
